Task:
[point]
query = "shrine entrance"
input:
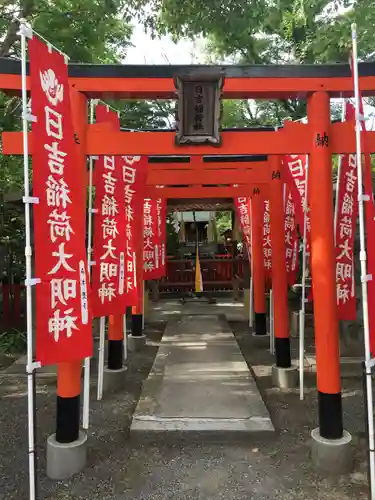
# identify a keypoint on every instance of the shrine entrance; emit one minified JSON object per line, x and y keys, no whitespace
{"x":221,"y":250}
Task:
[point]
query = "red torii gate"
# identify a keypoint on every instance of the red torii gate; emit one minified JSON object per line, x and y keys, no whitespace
{"x":319,"y":138}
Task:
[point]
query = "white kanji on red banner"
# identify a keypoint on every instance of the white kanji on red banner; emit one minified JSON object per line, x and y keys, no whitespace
{"x":134,"y":170}
{"x":108,"y":275}
{"x":346,"y":219}
{"x":291,"y":238}
{"x":267,"y":246}
{"x":63,"y":317}
{"x":242,"y":206}
{"x":154,"y":212}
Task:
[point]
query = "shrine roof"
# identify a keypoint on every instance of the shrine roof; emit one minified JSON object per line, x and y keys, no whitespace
{"x":85,"y":70}
{"x":121,"y":81}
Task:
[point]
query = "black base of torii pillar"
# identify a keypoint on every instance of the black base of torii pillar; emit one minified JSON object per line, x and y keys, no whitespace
{"x":331,"y":444}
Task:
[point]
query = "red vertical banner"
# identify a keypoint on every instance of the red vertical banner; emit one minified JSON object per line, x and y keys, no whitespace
{"x":291,"y":238}
{"x":370,"y":241}
{"x":242,"y":207}
{"x":267,"y":247}
{"x":154,"y":246}
{"x":295,"y":172}
{"x":161,"y":214}
{"x":134,"y":171}
{"x":108,"y":274}
{"x":370,"y":232}
{"x":150,"y":239}
{"x":347,"y":212}
{"x":63,"y":317}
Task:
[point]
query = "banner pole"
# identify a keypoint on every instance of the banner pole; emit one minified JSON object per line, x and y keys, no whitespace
{"x":251,"y":308}
{"x":125,"y":338}
{"x":363,"y":259}
{"x":272,"y":330}
{"x":101,"y":358}
{"x":143,"y":305}
{"x":25,"y":30}
{"x":303,"y":294}
{"x":251,"y":311}
{"x":86,"y":379}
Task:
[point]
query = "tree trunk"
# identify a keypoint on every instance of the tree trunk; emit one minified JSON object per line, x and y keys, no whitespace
{"x":26,"y":9}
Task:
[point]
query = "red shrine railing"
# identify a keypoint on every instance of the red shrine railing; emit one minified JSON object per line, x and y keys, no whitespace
{"x":217,"y":274}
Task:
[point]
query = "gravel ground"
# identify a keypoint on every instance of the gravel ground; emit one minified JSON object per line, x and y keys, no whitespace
{"x":263,"y":469}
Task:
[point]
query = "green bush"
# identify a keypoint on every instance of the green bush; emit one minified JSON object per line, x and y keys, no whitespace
{"x":13,"y":342}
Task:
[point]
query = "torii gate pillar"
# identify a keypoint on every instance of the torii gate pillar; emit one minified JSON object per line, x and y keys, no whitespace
{"x":67,"y":448}
{"x":259,"y":285}
{"x":284,"y":374}
{"x":137,"y":339}
{"x":330,"y":444}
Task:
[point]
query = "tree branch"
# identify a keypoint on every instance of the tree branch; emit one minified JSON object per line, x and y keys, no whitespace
{"x":26,"y":10}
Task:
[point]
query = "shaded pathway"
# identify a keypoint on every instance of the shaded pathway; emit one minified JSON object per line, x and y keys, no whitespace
{"x":200,"y":382}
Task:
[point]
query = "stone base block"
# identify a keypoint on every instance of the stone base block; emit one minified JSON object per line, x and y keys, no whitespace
{"x":114,"y":379}
{"x":332,"y":456}
{"x":64,"y":460}
{"x":136,"y":343}
{"x":284,"y":378}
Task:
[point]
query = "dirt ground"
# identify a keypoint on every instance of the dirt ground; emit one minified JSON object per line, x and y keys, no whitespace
{"x":276,"y":468}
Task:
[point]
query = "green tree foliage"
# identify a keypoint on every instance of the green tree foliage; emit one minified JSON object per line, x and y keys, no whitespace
{"x":172,"y":236}
{"x":145,"y":114}
{"x":269,"y":32}
{"x":96,"y":31}
{"x":223,"y":222}
{"x":261,"y":31}
{"x":88,"y":30}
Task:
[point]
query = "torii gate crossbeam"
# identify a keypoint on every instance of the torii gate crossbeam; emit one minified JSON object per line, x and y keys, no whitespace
{"x":294,"y":138}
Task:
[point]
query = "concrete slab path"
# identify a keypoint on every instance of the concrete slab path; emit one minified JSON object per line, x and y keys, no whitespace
{"x":200,"y":382}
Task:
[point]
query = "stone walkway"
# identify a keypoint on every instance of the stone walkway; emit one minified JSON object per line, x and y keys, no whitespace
{"x":200,"y":382}
{"x":268,"y":466}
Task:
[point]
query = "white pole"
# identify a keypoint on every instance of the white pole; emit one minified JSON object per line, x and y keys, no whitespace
{"x":143,"y":306}
{"x":101,"y":358}
{"x":125,"y":338}
{"x":251,"y":299}
{"x":363,"y":258}
{"x":251,"y":308}
{"x":303,"y":293}
{"x":24,"y":29}
{"x":272,"y":329}
{"x":86,"y":379}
